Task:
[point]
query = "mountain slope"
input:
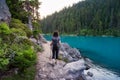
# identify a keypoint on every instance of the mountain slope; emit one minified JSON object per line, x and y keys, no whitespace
{"x":89,"y":17}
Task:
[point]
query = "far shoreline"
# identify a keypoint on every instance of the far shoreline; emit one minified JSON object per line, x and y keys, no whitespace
{"x":50,"y":34}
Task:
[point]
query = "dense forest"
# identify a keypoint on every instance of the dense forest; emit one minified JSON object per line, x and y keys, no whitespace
{"x":88,"y":17}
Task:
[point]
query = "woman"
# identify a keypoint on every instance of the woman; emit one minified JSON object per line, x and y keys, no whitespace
{"x":55,"y":45}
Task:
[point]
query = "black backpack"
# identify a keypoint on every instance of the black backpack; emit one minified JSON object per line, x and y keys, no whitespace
{"x":55,"y":41}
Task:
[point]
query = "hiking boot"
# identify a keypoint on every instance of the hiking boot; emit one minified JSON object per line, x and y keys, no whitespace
{"x":56,"y":62}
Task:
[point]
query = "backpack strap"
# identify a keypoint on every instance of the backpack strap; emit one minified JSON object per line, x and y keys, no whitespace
{"x":55,"y":41}
{"x":56,"y":38}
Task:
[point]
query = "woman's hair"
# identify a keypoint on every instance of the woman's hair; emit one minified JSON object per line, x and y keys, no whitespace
{"x":55,"y":34}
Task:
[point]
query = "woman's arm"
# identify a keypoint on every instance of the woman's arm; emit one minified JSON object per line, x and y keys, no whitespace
{"x":59,"y":41}
{"x":51,"y":43}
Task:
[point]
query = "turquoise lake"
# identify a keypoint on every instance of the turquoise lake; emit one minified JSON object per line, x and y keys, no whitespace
{"x":103,"y":51}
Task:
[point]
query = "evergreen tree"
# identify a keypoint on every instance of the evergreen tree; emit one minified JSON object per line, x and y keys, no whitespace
{"x":98,"y":17}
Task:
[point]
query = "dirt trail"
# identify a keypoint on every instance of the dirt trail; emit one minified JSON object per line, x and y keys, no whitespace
{"x":46,"y":68}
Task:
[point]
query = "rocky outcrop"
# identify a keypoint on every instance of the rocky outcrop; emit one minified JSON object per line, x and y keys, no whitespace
{"x":42,"y":39}
{"x":5,"y":15}
{"x":75,"y":70}
{"x":71,"y":54}
{"x":76,"y":64}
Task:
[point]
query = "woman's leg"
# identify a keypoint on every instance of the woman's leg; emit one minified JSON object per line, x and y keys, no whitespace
{"x":53,"y":53}
{"x":57,"y":51}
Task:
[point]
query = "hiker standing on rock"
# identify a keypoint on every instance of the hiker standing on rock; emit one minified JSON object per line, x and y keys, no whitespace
{"x":55,"y":44}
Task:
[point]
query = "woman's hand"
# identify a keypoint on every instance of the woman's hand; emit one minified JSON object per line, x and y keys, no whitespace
{"x":51,"y":44}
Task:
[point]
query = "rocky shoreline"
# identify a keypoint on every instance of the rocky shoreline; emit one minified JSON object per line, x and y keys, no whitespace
{"x":70,"y":66}
{"x":76,"y":64}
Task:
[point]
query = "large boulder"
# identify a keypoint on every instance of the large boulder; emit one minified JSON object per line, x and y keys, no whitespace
{"x":72,"y":54}
{"x":5,"y":15}
{"x":74,"y":70}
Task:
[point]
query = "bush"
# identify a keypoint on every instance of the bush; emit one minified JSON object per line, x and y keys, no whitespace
{"x":29,"y":74}
{"x":4,"y":59}
{"x":15,"y":23}
{"x":83,"y":32}
{"x":18,"y":32}
{"x":4,"y":32}
{"x":36,"y":27}
{"x":37,"y":48}
{"x":23,"y":40}
{"x":3,"y":63}
{"x":35,"y":34}
{"x":24,"y":59}
{"x":24,"y":53}
{"x":20,"y":54}
{"x":112,"y":32}
{"x":4,"y":29}
{"x":16,"y":50}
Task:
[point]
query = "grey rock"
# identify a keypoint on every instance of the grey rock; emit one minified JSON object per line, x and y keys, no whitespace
{"x":52,"y":75}
{"x":37,"y":42}
{"x":42,"y":75}
{"x":70,"y":59}
{"x":33,"y":40}
{"x":62,"y":79}
{"x":90,"y":74}
{"x":88,"y":60}
{"x":42,"y":39}
{"x":72,"y":54}
{"x":87,"y":66}
{"x":65,"y":46}
{"x":74,"y":70}
{"x":5,"y":14}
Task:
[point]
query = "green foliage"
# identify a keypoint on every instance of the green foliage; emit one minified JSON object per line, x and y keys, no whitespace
{"x":4,"y":60}
{"x":3,"y":63}
{"x":36,"y":25}
{"x":15,"y":23}
{"x":36,"y":29}
{"x":24,"y":59}
{"x":17,"y":10}
{"x":18,"y":32}
{"x":22,"y":40}
{"x":83,"y":32}
{"x":4,"y":29}
{"x":113,"y":32}
{"x":88,"y":17}
{"x":88,"y":32}
{"x":37,"y":48}
{"x":28,"y":75}
{"x":21,"y":9}
{"x":4,"y":32}
{"x":16,"y":50}
{"x":36,"y":34}
{"x":20,"y":54}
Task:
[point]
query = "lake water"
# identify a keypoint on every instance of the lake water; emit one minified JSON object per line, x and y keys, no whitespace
{"x":103,"y":51}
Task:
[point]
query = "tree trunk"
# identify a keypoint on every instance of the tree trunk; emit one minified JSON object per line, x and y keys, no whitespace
{"x":29,"y":15}
{"x":30,"y":22}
